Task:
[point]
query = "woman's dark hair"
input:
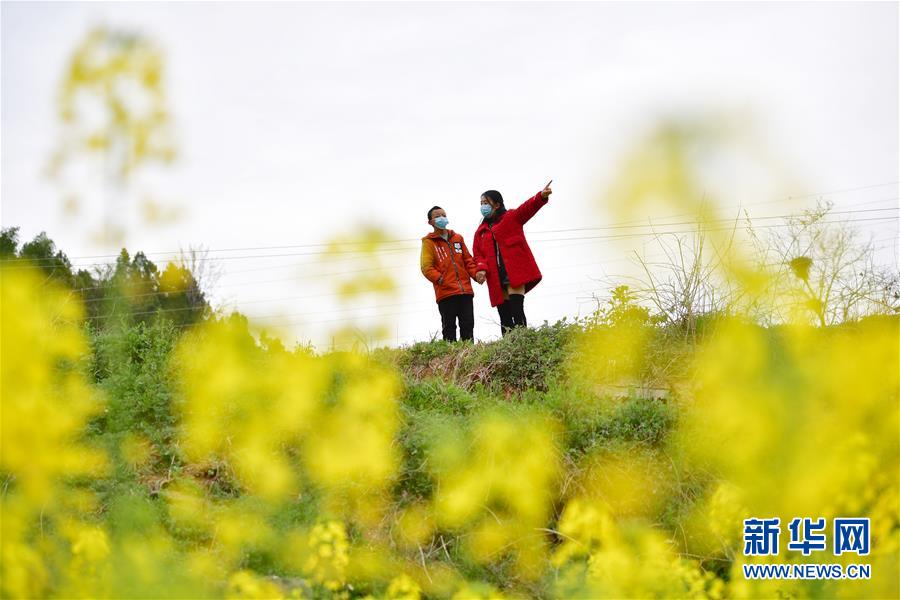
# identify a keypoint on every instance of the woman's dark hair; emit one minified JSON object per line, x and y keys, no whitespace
{"x":494,"y":196}
{"x":431,"y":210}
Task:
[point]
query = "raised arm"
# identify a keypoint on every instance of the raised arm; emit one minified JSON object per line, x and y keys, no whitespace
{"x":529,"y":208}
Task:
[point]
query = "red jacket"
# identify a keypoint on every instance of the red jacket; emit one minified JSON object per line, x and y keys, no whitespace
{"x":447,"y":264}
{"x":518,"y":260}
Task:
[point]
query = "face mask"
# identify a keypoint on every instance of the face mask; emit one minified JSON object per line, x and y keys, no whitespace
{"x":441,"y":222}
{"x":486,"y":210}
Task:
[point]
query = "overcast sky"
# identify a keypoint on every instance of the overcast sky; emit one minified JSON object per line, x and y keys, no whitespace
{"x":297,"y":122}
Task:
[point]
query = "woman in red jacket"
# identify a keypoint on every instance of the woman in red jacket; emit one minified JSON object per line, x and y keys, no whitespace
{"x":502,"y":255}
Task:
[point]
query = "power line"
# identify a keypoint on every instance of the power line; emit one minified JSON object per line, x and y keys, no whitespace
{"x":332,"y":294}
{"x":280,"y":279}
{"x":798,"y":197}
{"x":703,"y":222}
{"x":603,"y":228}
{"x":406,"y":240}
{"x":609,"y":237}
{"x":547,"y":268}
{"x":357,"y":308}
{"x":305,"y":297}
{"x":374,"y":316}
{"x":590,"y":239}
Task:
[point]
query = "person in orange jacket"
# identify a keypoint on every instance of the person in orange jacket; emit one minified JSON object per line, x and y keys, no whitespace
{"x":447,"y":264}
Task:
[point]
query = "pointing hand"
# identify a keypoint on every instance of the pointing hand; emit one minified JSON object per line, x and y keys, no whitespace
{"x":547,"y":191}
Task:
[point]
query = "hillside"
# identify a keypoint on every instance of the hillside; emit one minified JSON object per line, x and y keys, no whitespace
{"x":612,"y":457}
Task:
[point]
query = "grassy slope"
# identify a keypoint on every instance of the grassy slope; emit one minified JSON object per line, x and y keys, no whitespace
{"x":446,"y":388}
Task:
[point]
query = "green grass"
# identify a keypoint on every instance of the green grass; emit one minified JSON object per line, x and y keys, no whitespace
{"x":525,"y":359}
{"x":446,"y":388}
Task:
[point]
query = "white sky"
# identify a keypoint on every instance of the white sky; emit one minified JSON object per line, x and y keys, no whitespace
{"x":300,"y":121}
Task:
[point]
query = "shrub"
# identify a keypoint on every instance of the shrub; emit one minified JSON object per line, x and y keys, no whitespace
{"x":131,"y":365}
{"x":434,"y":394}
{"x":526,"y":358}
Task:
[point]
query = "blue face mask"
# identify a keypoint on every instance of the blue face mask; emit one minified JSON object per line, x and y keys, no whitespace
{"x":486,"y":210}
{"x":441,"y":222}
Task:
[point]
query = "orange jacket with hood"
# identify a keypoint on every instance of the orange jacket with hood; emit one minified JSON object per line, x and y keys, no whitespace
{"x":447,"y":264}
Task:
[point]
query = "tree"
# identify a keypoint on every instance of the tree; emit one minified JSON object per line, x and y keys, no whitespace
{"x":9,"y":242}
{"x":41,"y":253}
{"x":822,"y":270}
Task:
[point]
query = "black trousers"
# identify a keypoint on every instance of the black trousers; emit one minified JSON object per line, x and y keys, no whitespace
{"x":512,"y":313}
{"x":453,"y":308}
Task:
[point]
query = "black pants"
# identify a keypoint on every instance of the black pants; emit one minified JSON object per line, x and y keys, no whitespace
{"x":453,"y":308}
{"x":512,"y":313}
